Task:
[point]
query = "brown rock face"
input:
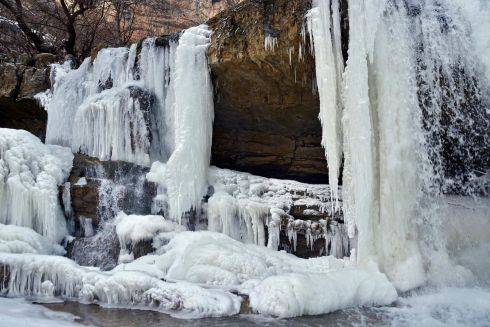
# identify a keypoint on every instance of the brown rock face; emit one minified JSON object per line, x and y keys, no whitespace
{"x":265,"y":106}
{"x":22,"y":80}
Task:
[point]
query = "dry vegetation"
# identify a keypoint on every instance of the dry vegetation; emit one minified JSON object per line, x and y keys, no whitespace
{"x":76,"y":27}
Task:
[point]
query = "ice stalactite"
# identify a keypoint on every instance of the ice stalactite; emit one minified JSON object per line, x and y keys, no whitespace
{"x":325,"y":35}
{"x":243,"y":206}
{"x":30,"y":174}
{"x":67,"y":93}
{"x":187,"y":168}
{"x":113,"y":126}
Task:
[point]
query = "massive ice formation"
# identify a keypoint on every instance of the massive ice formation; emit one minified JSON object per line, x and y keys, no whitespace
{"x":159,"y":107}
{"x":406,"y":92}
{"x":30,"y":173}
{"x":112,"y":108}
{"x":247,"y":207}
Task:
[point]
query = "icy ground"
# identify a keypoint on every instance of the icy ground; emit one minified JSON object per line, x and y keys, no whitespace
{"x":427,"y":308}
{"x":19,"y":312}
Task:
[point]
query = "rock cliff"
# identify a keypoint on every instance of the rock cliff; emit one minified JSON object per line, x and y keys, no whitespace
{"x":266,"y":107}
{"x":22,"y":78}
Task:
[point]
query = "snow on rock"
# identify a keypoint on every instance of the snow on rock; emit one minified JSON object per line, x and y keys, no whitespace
{"x":243,"y":206}
{"x":30,"y":173}
{"x":274,"y":193}
{"x":48,"y":276}
{"x":16,"y":239}
{"x":131,"y":229}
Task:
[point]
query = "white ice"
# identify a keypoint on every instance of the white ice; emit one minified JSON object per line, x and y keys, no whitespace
{"x":187,"y":167}
{"x":47,"y":276}
{"x":19,"y":312}
{"x":30,"y":174}
{"x":16,"y":239}
{"x":325,"y":35}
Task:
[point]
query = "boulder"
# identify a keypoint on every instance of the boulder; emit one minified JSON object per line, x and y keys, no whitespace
{"x":10,"y":80}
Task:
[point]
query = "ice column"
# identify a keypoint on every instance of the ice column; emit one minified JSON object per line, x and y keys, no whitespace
{"x":187,"y":168}
{"x":325,"y":34}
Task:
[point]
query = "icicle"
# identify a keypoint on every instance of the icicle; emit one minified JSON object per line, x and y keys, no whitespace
{"x":112,"y":126}
{"x":359,"y":175}
{"x":270,"y":43}
{"x":329,"y":67}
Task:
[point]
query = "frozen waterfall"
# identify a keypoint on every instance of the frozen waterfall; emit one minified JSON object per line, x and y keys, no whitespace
{"x":414,"y":126}
{"x":157,"y":105}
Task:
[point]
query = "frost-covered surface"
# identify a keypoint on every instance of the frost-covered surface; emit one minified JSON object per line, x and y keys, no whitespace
{"x":16,"y":239}
{"x":30,"y":173}
{"x":278,"y":283}
{"x":242,"y":205}
{"x":47,"y":276}
{"x":19,"y":312}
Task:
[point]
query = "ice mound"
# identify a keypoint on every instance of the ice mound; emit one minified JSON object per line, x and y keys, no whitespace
{"x":278,"y":283}
{"x":48,"y":276}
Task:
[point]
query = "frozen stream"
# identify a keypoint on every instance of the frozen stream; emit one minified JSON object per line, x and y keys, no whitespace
{"x":447,"y":307}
